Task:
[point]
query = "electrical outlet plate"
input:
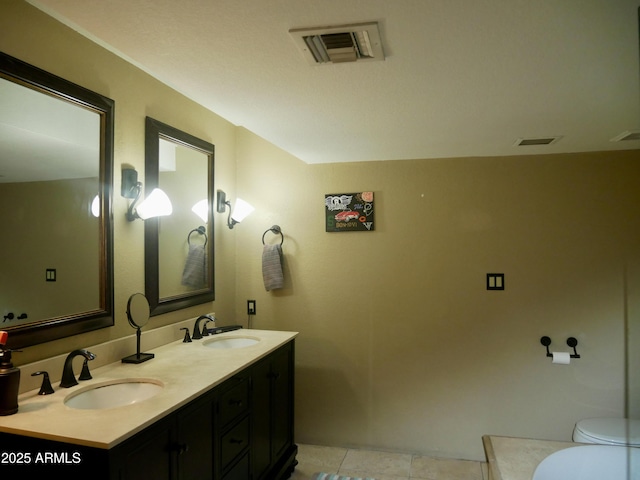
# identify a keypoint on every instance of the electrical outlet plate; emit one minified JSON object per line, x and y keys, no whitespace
{"x":251,"y":307}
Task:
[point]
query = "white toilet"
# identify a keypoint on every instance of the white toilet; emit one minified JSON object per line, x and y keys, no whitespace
{"x":608,"y":431}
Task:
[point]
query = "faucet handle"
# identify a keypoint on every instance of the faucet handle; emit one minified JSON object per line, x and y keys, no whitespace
{"x":46,"y":388}
{"x":205,"y":331}
{"x":85,"y":374}
{"x":187,"y":337}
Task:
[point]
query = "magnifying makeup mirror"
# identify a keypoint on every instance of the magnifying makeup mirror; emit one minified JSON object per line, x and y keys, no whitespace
{"x":138,"y":316}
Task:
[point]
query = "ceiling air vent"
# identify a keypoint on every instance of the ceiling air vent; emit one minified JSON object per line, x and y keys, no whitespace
{"x":345,"y":43}
{"x":525,"y":142}
{"x":628,"y":135}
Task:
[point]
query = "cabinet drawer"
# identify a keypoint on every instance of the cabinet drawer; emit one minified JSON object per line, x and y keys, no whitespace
{"x":234,"y":402}
{"x":240,"y":471}
{"x":234,"y":442}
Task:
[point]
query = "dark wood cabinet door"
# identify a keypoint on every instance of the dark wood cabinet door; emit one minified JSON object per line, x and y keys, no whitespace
{"x":282,"y":403}
{"x":261,"y":418}
{"x":194,"y":448}
{"x":146,"y":454}
{"x":272,"y":410}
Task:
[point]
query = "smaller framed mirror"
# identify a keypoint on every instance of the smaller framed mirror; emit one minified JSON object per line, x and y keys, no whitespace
{"x":179,"y":250}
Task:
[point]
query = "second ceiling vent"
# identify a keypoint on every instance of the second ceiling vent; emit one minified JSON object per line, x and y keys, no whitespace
{"x":526,"y":142}
{"x":345,"y":43}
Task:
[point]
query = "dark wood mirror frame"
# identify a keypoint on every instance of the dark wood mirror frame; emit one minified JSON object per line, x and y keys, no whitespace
{"x":45,"y":330}
{"x":154,"y":131}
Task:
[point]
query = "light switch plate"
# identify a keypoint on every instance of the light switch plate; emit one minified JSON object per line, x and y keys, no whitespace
{"x":495,"y":281}
{"x":50,"y":274}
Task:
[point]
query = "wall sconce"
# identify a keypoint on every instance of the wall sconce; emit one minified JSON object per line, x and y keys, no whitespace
{"x":240,"y":212}
{"x":157,"y":204}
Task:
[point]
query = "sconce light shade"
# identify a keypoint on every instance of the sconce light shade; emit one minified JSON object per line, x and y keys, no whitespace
{"x":242,"y":210}
{"x":155,"y":205}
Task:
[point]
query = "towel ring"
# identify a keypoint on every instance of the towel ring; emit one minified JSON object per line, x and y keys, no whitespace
{"x":275,"y":229}
{"x":201,"y":230}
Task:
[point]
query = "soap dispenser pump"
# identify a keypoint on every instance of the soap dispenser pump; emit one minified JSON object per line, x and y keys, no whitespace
{"x":9,"y":380}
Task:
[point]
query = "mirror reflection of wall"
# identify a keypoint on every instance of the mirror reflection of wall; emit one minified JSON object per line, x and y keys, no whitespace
{"x":49,"y":167}
{"x":183,"y":176}
{"x":41,"y":234}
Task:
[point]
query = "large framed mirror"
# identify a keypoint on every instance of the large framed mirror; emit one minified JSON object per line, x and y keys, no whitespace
{"x":179,"y":250}
{"x":56,"y":176}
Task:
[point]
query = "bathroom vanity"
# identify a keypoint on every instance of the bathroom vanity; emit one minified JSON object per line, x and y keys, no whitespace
{"x":222,"y":413}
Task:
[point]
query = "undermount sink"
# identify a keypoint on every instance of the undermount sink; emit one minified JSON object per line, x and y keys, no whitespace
{"x":231,"y":342}
{"x":114,"y":394}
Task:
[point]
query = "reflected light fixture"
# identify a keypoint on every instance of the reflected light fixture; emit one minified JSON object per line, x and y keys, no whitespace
{"x":95,"y":206}
{"x":157,"y":204}
{"x":201,"y":209}
{"x":240,"y":212}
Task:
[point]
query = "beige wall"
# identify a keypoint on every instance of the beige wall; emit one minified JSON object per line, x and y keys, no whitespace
{"x":32,"y":36}
{"x":400,"y":345}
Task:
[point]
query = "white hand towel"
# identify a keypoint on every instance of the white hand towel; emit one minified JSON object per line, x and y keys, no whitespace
{"x":272,"y":274}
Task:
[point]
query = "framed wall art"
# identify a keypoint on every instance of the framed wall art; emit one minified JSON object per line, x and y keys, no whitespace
{"x":349,"y":212}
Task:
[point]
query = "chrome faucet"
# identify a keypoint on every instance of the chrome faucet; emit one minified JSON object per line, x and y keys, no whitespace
{"x":68,"y":377}
{"x":197,"y":334}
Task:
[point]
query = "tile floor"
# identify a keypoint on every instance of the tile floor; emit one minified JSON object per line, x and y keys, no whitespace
{"x":383,"y":465}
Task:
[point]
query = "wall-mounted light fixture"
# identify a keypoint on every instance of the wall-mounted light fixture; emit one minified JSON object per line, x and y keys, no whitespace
{"x":240,"y":212}
{"x":157,"y":204}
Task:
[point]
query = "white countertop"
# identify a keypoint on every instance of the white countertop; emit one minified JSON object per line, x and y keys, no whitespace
{"x":187,"y":370}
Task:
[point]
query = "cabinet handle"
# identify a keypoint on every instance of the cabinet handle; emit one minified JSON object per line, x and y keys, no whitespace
{"x":235,"y":403}
{"x":179,"y":448}
{"x":236,"y":441}
{"x":274,"y":375}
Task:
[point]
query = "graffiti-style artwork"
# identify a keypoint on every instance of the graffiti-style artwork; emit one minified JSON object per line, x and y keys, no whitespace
{"x":349,"y":212}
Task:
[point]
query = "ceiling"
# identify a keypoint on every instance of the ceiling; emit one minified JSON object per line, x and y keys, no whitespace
{"x":460,"y":77}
